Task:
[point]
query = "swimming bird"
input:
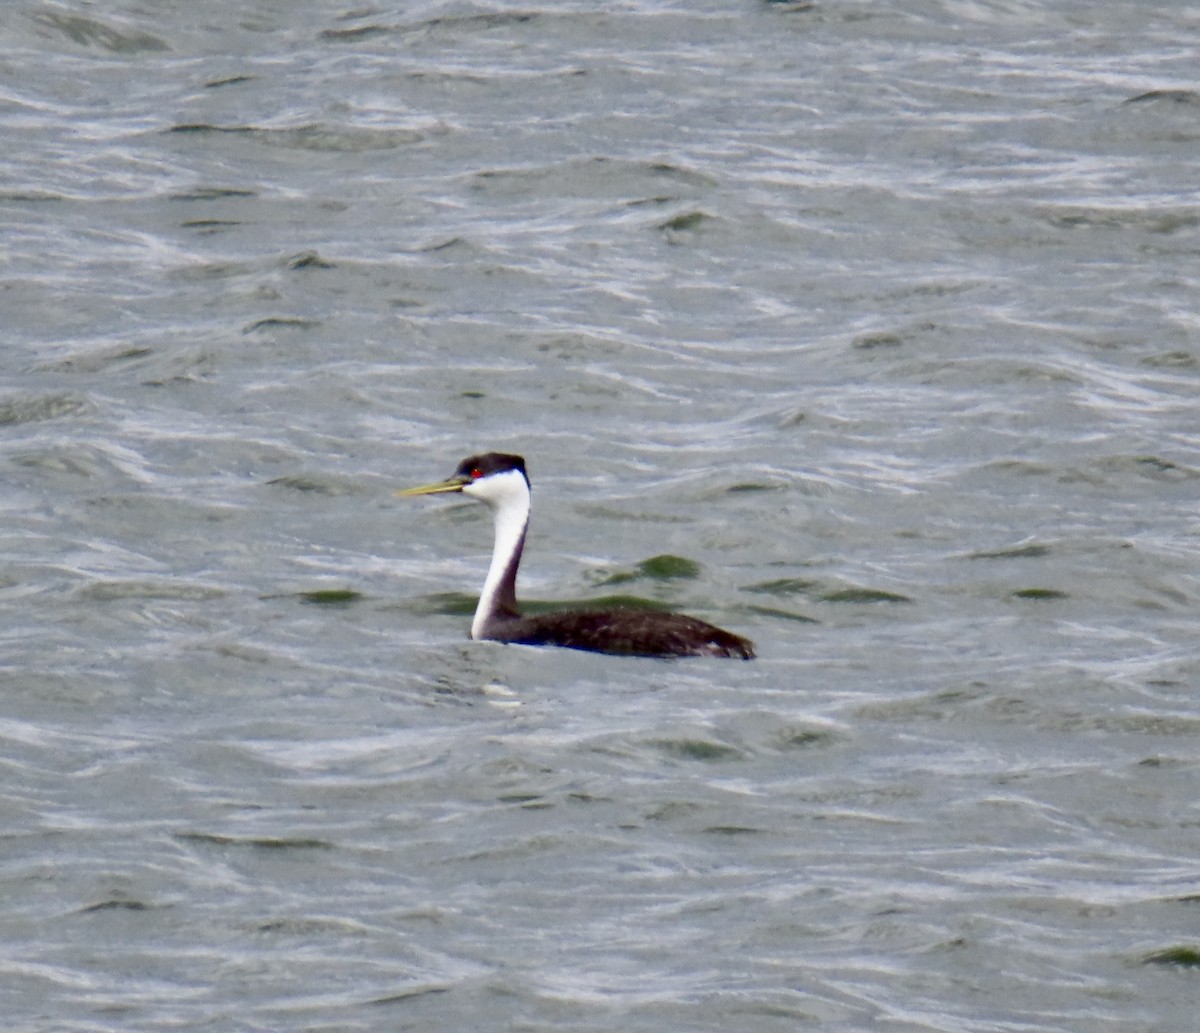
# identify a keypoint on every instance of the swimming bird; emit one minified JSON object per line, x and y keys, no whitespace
{"x":500,"y":481}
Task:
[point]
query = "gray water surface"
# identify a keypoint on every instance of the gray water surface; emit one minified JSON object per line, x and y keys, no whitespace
{"x":882,"y":318}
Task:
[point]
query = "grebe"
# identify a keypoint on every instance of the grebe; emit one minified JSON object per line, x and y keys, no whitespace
{"x":499,"y":481}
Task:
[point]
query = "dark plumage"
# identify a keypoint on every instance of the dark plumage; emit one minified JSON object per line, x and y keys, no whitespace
{"x":628,"y":632}
{"x":500,"y":481}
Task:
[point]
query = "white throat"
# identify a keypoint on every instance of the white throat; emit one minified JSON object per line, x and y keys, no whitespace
{"x":507,"y":495}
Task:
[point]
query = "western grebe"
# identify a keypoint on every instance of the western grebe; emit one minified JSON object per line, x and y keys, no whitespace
{"x":500,"y":481}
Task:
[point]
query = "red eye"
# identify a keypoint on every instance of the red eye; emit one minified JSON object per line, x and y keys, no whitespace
{"x":476,"y":474}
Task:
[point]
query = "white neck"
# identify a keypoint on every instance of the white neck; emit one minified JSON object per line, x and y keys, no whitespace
{"x":507,"y":495}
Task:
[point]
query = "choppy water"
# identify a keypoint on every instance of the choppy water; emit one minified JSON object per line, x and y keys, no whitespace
{"x":883,"y":316}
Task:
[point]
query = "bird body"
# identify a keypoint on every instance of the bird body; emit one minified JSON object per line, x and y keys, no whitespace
{"x":500,"y":481}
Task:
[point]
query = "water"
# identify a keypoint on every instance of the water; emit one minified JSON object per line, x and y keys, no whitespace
{"x":883,"y":316}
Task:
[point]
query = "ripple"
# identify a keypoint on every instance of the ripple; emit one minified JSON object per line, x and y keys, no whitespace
{"x":317,"y":136}
{"x":34,"y":408}
{"x":91,"y":32}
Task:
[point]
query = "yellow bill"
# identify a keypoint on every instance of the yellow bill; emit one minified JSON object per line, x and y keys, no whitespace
{"x":453,"y":484}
